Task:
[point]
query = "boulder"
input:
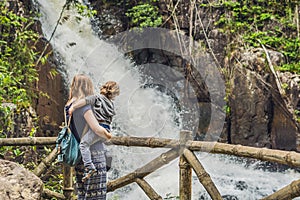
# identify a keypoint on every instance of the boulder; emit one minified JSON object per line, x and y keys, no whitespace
{"x":18,"y":183}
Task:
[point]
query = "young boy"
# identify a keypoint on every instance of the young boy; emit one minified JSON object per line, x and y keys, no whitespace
{"x":104,"y":110}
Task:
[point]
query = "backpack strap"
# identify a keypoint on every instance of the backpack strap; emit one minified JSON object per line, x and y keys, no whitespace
{"x":67,"y":123}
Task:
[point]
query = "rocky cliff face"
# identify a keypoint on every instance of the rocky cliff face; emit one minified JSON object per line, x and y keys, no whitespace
{"x":48,"y":105}
{"x":259,"y":114}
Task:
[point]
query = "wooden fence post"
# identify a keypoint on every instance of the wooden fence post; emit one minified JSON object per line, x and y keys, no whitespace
{"x":68,"y":182}
{"x":185,"y":171}
{"x":203,"y":176}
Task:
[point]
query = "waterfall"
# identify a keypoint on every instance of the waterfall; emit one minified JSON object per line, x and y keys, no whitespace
{"x":146,"y":111}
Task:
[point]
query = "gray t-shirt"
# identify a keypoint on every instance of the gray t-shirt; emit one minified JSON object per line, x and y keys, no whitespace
{"x":80,"y":123}
{"x":78,"y":117}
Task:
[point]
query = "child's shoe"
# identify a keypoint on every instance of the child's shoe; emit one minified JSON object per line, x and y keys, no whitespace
{"x":88,"y":173}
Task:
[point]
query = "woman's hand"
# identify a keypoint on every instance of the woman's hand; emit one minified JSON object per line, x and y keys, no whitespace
{"x":108,"y":135}
{"x":71,"y":110}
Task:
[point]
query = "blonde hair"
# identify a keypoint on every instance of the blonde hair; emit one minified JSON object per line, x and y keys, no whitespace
{"x":81,"y":87}
{"x":110,"y":89}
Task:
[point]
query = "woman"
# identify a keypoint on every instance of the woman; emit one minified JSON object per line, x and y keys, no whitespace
{"x":95,"y":187}
{"x":104,"y":110}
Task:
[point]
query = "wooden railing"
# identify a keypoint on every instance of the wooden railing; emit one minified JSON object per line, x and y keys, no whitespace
{"x":184,"y":149}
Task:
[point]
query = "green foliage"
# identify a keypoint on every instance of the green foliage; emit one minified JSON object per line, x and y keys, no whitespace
{"x":297,"y":113}
{"x":54,"y":185}
{"x":115,"y":197}
{"x":144,"y":15}
{"x":169,"y":196}
{"x":271,"y":22}
{"x":83,"y":10}
{"x":293,"y":67}
{"x":17,"y":63}
{"x":18,"y":152}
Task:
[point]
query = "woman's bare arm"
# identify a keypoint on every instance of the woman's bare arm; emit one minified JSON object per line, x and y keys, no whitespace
{"x":77,"y":104}
{"x":94,"y":125}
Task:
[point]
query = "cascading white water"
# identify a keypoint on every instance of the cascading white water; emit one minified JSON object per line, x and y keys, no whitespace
{"x":145,"y":112}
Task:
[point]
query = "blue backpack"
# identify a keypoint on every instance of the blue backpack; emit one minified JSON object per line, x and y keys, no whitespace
{"x":67,"y":145}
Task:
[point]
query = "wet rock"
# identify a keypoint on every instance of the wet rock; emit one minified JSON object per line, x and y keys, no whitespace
{"x":241,"y":185}
{"x":229,"y":197}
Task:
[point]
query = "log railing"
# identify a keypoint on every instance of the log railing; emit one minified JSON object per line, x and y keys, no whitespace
{"x":184,"y":149}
